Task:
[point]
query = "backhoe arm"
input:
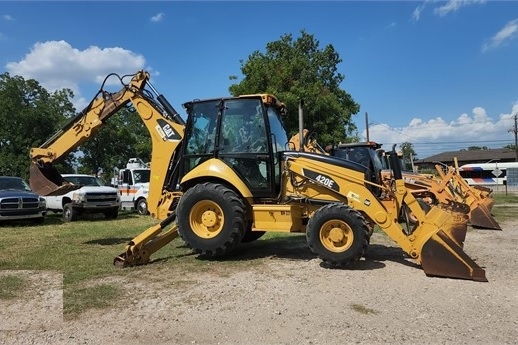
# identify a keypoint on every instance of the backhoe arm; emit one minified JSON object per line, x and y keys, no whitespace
{"x":164,"y":124}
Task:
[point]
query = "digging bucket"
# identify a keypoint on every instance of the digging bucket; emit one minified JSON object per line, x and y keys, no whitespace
{"x":481,"y":217}
{"x":442,"y":253}
{"x":441,"y":256}
{"x":47,"y":181}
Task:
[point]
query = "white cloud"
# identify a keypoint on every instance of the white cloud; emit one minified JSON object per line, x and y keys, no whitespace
{"x":57,"y":65}
{"x":391,"y":25}
{"x":445,"y":8}
{"x":507,"y":33}
{"x":158,"y":17}
{"x":416,"y":15}
{"x":7,"y":18}
{"x":436,"y":135}
{"x":454,"y":5}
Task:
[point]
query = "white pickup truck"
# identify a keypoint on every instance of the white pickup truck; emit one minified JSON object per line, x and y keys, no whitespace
{"x":92,"y":197}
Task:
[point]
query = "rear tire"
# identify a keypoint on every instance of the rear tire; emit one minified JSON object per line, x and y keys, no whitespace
{"x":70,"y":214}
{"x":141,"y":207}
{"x":338,"y":234}
{"x":211,"y":219}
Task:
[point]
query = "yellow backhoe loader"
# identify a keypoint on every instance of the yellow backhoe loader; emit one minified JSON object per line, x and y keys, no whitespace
{"x":451,"y":187}
{"x":227,"y":175}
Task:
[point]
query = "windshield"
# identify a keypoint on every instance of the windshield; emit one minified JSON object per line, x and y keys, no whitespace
{"x":84,"y":180}
{"x":141,"y":175}
{"x":280,"y":138}
{"x":14,"y":183}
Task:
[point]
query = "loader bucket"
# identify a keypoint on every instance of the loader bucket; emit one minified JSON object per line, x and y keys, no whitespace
{"x":47,"y":181}
{"x":441,"y":256}
{"x":488,"y":202}
{"x":481,"y":217}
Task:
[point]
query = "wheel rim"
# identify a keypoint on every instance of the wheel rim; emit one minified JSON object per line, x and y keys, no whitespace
{"x":142,"y":207}
{"x":336,"y":236}
{"x":207,"y":219}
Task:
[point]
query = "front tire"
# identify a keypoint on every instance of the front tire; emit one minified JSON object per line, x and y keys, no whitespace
{"x":211,"y":219}
{"x":70,"y":214}
{"x":113,"y":213}
{"x":338,"y":234}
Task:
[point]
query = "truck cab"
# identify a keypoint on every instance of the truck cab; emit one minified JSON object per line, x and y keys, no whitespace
{"x":133,"y":185}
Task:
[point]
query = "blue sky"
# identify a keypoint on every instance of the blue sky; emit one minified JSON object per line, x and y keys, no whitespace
{"x":439,"y":74}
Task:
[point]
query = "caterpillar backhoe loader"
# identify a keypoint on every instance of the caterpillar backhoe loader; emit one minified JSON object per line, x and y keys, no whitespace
{"x":450,"y":188}
{"x":227,"y":175}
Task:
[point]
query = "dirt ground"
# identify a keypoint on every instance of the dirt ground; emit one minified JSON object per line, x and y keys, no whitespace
{"x":290,"y":299}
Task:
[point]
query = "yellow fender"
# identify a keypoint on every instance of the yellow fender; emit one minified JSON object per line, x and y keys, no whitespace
{"x":217,"y":169}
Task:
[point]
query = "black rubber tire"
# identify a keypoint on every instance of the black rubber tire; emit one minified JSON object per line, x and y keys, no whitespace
{"x":112,"y":213}
{"x":70,"y":214}
{"x":141,"y":207}
{"x":211,"y":219}
{"x":338,"y":234}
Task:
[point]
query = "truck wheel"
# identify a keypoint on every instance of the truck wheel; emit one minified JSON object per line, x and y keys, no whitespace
{"x":112,"y":213}
{"x":69,"y":213}
{"x":211,"y":219}
{"x":141,"y":207}
{"x":338,"y":234}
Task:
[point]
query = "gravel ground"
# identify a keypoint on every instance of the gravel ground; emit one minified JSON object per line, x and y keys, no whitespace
{"x":289,"y":299}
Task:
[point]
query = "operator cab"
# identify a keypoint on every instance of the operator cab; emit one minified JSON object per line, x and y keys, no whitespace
{"x":364,"y":153}
{"x":245,"y":132}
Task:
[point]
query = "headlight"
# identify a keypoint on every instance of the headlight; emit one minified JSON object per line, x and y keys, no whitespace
{"x":42,"y":202}
{"x":78,"y":196}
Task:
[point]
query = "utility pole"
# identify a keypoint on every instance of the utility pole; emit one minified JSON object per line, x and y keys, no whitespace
{"x":515,"y":131}
{"x":367,"y":125}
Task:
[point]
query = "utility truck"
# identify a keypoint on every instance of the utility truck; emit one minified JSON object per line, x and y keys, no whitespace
{"x":133,"y":185}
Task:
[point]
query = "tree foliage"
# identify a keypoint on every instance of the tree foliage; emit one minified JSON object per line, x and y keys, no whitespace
{"x":123,"y":136}
{"x":476,"y":148}
{"x":295,"y":70}
{"x":409,"y":154}
{"x":29,"y":115}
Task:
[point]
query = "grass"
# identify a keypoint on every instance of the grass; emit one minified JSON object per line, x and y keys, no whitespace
{"x":502,"y":198}
{"x":507,"y":210}
{"x":83,"y":251}
{"x":11,"y":286}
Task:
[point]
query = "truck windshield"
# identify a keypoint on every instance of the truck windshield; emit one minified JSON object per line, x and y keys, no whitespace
{"x":84,"y":180}
{"x":141,"y":175}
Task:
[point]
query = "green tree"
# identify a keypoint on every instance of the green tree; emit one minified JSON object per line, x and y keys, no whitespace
{"x":123,"y":136}
{"x":29,"y":115}
{"x":295,"y":70}
{"x":477,"y":148}
{"x":409,"y":155}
